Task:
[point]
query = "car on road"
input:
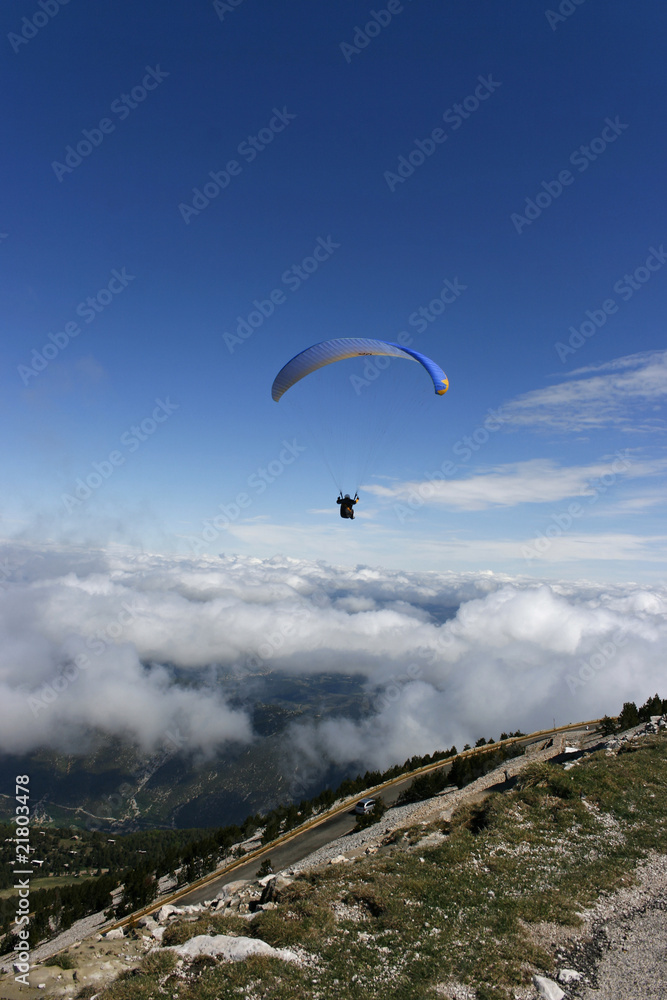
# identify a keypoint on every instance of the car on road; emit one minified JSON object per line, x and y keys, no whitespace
{"x":364,"y":806}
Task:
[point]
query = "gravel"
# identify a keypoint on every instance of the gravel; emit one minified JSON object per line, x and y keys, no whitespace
{"x":77,"y":932}
{"x":623,"y":948}
{"x":353,"y":843}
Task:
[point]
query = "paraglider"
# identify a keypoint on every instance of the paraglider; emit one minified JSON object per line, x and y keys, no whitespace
{"x":347,"y":505}
{"x":339,"y":349}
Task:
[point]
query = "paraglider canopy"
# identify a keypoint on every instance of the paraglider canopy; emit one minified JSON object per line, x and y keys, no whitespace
{"x":341,"y":348}
{"x":348,"y":428}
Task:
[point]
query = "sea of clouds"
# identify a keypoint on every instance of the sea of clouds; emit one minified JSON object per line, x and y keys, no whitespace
{"x":160,"y":650}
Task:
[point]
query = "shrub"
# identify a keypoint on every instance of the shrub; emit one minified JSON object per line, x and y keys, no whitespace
{"x":368,"y":819}
{"x":63,"y":961}
{"x":158,"y":963}
{"x":182,"y":930}
{"x":535,"y":775}
{"x":629,"y":717}
{"x":425,"y":787}
{"x":266,"y":868}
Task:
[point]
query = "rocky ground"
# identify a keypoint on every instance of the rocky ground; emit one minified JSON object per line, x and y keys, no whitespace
{"x":622,"y":949}
{"x":619,"y":952}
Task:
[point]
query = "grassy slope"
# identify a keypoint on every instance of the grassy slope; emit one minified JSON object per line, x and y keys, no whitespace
{"x":397,"y":926}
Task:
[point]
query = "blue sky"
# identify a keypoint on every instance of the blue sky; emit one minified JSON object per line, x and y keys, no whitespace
{"x":532,"y":149}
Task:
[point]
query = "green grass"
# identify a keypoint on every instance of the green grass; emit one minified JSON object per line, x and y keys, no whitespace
{"x":180,"y":932}
{"x":400,"y":925}
{"x":64,"y":961}
{"x":47,"y":883}
{"x":144,"y":982}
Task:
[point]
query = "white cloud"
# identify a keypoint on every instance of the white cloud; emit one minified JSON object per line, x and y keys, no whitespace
{"x":538,"y":480}
{"x":575,"y":547}
{"x":156,"y":633}
{"x":635,"y":505}
{"x":626,"y":393}
{"x":518,"y":657}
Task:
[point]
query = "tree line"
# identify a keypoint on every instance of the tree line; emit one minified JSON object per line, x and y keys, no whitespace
{"x":632,"y":716}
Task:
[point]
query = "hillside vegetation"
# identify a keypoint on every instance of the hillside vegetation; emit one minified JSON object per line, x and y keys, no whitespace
{"x":447,"y":910}
{"x":138,"y":861}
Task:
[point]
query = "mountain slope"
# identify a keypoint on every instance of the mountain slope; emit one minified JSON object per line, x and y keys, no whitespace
{"x":468,"y":907}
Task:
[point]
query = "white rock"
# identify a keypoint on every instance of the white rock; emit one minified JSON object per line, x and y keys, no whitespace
{"x":547,"y":988}
{"x":231,"y":888}
{"x":234,"y":949}
{"x":115,"y":934}
{"x":167,"y":911}
{"x":338,"y":860}
{"x":568,"y":976}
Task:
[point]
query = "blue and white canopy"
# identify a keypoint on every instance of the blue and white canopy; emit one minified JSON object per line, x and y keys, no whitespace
{"x":341,"y":348}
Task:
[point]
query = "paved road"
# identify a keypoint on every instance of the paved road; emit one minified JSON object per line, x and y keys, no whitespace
{"x":310,"y":840}
{"x":302,"y":845}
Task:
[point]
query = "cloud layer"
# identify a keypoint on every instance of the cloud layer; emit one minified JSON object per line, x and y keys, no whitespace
{"x":147,"y":647}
